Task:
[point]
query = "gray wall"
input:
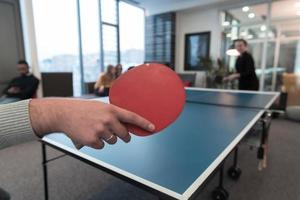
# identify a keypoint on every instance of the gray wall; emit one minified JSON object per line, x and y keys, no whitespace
{"x":11,"y":40}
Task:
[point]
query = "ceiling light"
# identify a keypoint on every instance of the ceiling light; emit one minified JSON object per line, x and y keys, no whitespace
{"x":251,"y":15}
{"x":263,"y":28}
{"x":245,"y":9}
{"x":226,"y":23}
{"x":244,"y":33}
{"x":250,"y":37}
{"x":234,"y":22}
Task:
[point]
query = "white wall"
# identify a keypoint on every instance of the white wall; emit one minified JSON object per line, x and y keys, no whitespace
{"x":196,"y":21}
{"x":193,"y":21}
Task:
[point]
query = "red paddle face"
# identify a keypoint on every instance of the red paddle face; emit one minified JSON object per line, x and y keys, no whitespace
{"x":153,"y":91}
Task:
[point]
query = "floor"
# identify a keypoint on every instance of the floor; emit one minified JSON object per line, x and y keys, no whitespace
{"x":21,"y":173}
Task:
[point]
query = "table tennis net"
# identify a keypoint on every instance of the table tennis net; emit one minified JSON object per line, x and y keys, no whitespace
{"x":259,"y":101}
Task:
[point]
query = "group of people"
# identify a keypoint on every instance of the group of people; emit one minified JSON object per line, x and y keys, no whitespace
{"x":105,"y":81}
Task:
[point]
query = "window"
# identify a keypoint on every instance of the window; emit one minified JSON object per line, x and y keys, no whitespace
{"x":109,"y":11}
{"x":86,"y":48}
{"x":90,"y":37}
{"x":57,"y":38}
{"x":110,"y":32}
{"x":132,"y":35}
{"x":110,"y":45}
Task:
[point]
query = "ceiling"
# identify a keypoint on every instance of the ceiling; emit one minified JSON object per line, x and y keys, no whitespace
{"x":161,"y":6}
{"x":280,"y":10}
{"x":285,"y":20}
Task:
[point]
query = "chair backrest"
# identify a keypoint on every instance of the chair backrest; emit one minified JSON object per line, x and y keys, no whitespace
{"x":57,"y":84}
{"x":90,"y":87}
{"x":188,"y":79}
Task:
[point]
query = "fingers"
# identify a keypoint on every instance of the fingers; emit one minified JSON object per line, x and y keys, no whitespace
{"x":120,"y":131}
{"x":97,"y":143}
{"x":109,"y":137}
{"x":134,"y":119}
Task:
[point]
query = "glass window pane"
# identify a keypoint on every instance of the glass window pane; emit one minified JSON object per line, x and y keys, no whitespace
{"x":109,"y":11}
{"x":289,"y":56}
{"x":90,"y":33}
{"x":57,"y":37}
{"x":132,"y":43}
{"x":110,"y":45}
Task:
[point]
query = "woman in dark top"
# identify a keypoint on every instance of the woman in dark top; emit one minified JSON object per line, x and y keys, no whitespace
{"x":245,"y":68}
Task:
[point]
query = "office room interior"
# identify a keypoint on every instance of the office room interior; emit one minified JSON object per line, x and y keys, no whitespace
{"x":239,"y":65}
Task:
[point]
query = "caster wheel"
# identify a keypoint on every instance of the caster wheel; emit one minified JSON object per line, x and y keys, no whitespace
{"x":234,"y":173}
{"x":220,"y":194}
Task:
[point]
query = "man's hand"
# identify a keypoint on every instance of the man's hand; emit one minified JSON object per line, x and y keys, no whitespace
{"x":232,"y":77}
{"x":14,"y":90}
{"x":86,"y":122}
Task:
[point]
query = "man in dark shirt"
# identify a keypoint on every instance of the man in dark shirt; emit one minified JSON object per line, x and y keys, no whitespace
{"x":245,"y":68}
{"x":21,"y":87}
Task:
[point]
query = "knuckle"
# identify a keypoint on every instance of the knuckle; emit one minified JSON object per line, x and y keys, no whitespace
{"x":110,"y":109}
{"x":99,"y":128}
{"x":107,"y":120}
{"x":91,"y":141}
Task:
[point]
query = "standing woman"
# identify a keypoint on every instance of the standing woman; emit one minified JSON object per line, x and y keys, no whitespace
{"x":105,"y":81}
{"x":245,"y":68}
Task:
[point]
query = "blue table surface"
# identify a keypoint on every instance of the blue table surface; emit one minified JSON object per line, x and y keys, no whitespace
{"x":178,"y":155}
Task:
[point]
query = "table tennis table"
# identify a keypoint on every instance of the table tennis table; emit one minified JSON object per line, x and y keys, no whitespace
{"x":175,"y":163}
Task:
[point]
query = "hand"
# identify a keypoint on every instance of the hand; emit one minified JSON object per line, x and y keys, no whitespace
{"x":14,"y":90}
{"x":86,"y":122}
{"x":101,"y":89}
{"x":231,"y":77}
{"x":225,"y":79}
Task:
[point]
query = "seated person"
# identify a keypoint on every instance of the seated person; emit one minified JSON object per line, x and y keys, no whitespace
{"x":21,"y":87}
{"x":119,"y":70}
{"x":105,"y":82}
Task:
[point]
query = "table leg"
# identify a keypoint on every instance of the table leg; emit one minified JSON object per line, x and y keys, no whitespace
{"x":234,"y":172}
{"x":44,"y":163}
{"x":262,"y":151}
{"x":220,"y":193}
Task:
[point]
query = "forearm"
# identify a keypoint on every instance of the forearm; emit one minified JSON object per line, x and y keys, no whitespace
{"x":85,"y":122}
{"x":22,"y":121}
{"x":44,"y":115}
{"x":236,"y":76}
{"x":15,"y":126}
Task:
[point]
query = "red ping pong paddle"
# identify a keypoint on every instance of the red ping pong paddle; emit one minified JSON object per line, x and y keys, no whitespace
{"x":153,"y":91}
